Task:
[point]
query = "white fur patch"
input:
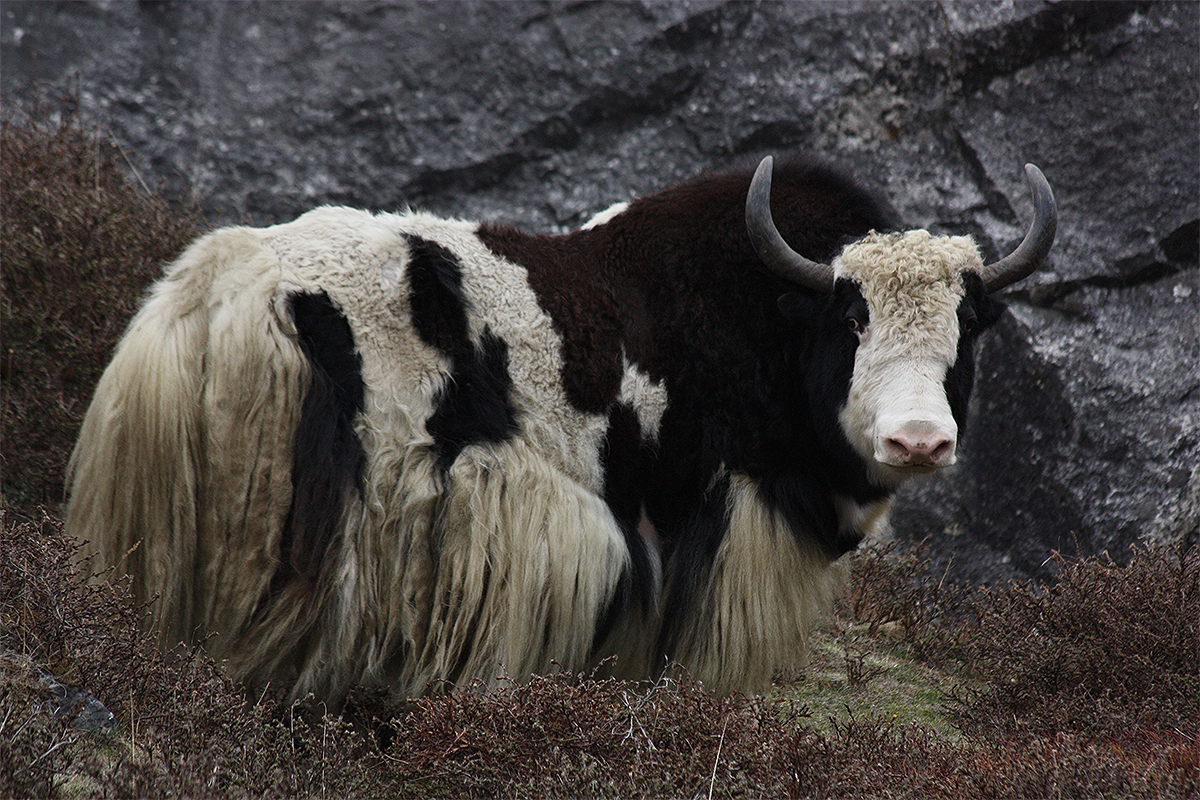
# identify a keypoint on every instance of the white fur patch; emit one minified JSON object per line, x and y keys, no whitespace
{"x":182,"y":464}
{"x":866,"y":518}
{"x":604,"y":216}
{"x":182,"y":472}
{"x":500,"y":299}
{"x":646,"y":396}
{"x":503,"y":571}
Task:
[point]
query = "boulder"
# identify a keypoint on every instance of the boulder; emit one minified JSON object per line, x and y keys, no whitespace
{"x":1085,"y":434}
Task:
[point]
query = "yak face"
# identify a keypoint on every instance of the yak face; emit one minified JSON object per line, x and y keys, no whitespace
{"x":912,"y":321}
{"x":909,"y":305}
{"x":890,"y":361}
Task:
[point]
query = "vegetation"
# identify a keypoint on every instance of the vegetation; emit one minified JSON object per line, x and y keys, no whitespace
{"x":81,"y":242}
{"x":1087,"y":687}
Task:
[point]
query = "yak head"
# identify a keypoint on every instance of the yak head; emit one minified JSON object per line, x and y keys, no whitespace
{"x":900,"y":314}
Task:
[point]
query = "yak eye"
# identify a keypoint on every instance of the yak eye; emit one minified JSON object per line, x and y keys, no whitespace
{"x":967,"y":324}
{"x":856,"y":316}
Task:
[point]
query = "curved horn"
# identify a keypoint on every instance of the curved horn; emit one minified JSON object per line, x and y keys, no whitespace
{"x":1033,"y":249}
{"x":770,"y":246}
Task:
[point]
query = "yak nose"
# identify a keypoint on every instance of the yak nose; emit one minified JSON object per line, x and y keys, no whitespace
{"x":918,"y":444}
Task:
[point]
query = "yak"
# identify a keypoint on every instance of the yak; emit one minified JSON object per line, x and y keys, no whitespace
{"x":418,"y":453}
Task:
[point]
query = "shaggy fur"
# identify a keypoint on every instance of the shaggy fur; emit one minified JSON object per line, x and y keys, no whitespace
{"x":499,"y":563}
{"x":413,"y":452}
{"x":765,"y":588}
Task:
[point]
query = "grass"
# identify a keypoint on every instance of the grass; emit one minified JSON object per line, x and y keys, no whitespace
{"x":1086,"y":687}
{"x":852,"y":675}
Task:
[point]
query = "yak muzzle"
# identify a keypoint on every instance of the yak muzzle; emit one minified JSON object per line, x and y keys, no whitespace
{"x":917,"y":443}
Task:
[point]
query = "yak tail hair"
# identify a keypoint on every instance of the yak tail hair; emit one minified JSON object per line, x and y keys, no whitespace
{"x":208,"y":373}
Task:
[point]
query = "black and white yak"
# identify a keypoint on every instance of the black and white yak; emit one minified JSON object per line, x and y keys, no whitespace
{"x":407,"y":451}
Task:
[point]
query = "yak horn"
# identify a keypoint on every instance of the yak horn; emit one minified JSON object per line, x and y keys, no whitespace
{"x":769,"y":244}
{"x":1033,"y":249}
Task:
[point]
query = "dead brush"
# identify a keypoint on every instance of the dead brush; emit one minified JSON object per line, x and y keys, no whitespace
{"x":80,"y":242}
{"x":182,"y":727}
{"x":874,"y":757}
{"x":566,"y":735}
{"x":856,"y":662}
{"x":31,"y":741}
{"x":892,"y":592}
{"x":1108,"y":651}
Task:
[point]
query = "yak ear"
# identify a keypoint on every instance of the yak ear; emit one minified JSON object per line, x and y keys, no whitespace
{"x":796,"y":307}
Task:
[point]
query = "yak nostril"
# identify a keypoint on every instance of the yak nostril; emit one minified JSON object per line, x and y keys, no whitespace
{"x":940,"y":450}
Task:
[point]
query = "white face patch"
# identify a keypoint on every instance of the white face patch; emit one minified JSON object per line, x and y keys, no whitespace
{"x":897,"y":415}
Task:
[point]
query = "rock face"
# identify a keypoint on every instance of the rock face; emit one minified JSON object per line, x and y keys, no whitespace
{"x":1086,"y":421}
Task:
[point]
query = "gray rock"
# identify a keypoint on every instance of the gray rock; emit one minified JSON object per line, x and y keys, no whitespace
{"x":81,"y":707}
{"x":1086,"y":413}
{"x":1085,"y":425}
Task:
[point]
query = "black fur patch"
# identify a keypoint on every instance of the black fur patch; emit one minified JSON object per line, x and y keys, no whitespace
{"x":802,"y":459}
{"x":977,"y":312}
{"x":581,"y":307}
{"x":625,"y":465}
{"x":691,"y":561}
{"x":439,"y":307}
{"x":825,"y":385}
{"x":327,"y":456}
{"x":475,"y":404}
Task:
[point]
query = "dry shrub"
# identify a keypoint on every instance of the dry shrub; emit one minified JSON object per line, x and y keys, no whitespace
{"x":1107,"y":651}
{"x":869,"y":758}
{"x":1065,"y":765}
{"x":79,"y":242}
{"x":568,"y":736}
{"x":564,"y":736}
{"x":31,"y":741}
{"x":183,"y":728}
{"x":1086,"y":687}
{"x":873,"y":757}
{"x":892,"y":586}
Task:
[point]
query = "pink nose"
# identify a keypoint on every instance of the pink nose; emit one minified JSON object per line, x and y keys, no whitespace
{"x":926,"y":448}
